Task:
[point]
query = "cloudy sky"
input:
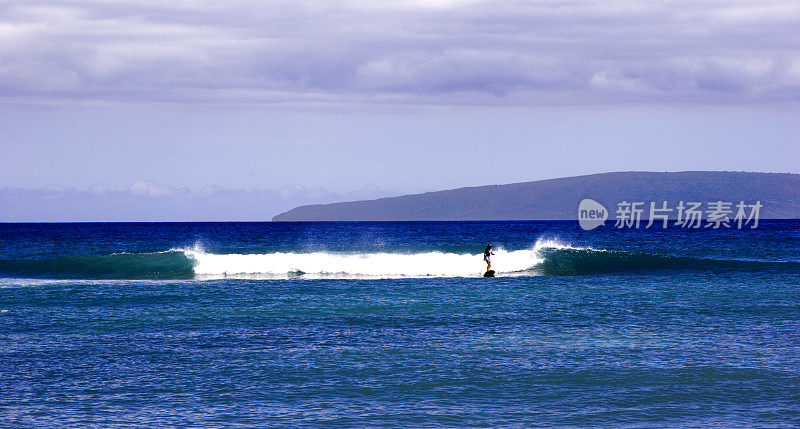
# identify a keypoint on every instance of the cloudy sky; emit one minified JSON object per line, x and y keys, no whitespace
{"x":122,"y":101}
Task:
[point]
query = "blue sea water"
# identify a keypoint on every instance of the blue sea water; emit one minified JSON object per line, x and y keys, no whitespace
{"x":392,"y":324}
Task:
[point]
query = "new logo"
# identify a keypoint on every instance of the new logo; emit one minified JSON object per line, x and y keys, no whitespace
{"x":591,"y":214}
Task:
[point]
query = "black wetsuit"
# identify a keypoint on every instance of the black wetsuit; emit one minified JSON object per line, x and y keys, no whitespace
{"x":487,"y":253}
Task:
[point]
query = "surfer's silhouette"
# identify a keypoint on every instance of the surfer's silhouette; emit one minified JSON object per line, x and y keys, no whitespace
{"x":487,"y":256}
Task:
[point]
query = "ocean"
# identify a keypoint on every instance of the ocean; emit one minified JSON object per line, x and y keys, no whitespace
{"x":392,"y":324}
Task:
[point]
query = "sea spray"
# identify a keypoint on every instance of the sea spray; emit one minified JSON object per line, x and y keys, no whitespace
{"x":382,"y":264}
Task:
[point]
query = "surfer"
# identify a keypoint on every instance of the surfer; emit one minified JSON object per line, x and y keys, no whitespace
{"x":487,"y":256}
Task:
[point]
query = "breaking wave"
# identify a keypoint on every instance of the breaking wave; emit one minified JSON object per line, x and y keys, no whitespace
{"x":326,"y":264}
{"x":546,"y":257}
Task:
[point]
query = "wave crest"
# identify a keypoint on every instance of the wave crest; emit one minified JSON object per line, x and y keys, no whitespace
{"x":325,"y":264}
{"x":546,"y":257}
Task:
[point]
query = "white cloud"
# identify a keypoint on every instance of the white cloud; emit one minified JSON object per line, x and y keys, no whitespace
{"x":767,"y":11}
{"x":614,"y":80}
{"x":152,"y":189}
{"x":99,"y":189}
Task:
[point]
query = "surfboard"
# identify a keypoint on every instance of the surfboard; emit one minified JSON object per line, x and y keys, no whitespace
{"x":489,"y":273}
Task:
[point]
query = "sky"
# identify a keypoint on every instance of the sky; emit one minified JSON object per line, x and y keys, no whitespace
{"x":238,"y":110}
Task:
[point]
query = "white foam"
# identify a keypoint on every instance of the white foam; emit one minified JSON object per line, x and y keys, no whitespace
{"x":379,"y":265}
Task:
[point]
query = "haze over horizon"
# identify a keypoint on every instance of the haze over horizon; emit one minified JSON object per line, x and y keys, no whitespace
{"x":246,"y":108}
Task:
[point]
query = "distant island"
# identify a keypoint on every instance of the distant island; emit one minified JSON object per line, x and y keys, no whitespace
{"x":558,"y":199}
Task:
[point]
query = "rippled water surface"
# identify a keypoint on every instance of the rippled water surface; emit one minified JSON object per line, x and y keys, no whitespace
{"x":604,"y":328}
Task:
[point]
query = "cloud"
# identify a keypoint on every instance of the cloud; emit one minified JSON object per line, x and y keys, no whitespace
{"x":406,"y":52}
{"x":99,"y":189}
{"x":154,"y":189}
{"x":152,"y":201}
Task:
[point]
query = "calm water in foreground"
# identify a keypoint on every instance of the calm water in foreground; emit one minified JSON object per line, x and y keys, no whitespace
{"x":391,"y":324}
